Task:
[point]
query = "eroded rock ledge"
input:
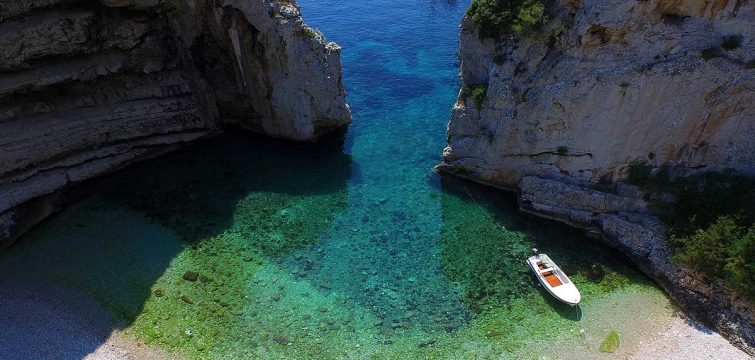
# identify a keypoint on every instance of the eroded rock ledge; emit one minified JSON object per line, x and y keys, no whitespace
{"x":628,"y":223}
{"x":606,"y":85}
{"x":87,"y":87}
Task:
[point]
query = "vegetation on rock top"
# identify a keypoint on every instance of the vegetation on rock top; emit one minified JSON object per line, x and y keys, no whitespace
{"x":708,"y":227}
{"x":498,"y":17}
{"x":711,"y":225}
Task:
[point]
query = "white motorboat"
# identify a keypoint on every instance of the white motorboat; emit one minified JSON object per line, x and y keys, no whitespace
{"x":553,"y":278}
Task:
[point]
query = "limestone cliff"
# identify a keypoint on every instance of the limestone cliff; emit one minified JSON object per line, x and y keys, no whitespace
{"x":605,"y":85}
{"x":89,"y":86}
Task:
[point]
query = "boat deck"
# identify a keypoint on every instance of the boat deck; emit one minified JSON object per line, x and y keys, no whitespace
{"x":552,"y":279}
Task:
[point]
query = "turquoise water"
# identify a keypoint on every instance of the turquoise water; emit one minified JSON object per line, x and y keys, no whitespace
{"x":246,"y":247}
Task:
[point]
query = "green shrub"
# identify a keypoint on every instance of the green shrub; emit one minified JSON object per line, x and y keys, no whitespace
{"x":562,"y":150}
{"x":708,"y":227}
{"x":311,"y":33}
{"x":478,"y":95}
{"x":725,"y":250}
{"x":741,"y":265}
{"x":710,"y":53}
{"x":706,"y":250}
{"x":497,"y":17}
{"x":731,"y":42}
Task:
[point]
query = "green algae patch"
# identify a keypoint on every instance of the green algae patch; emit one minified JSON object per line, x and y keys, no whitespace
{"x":193,"y":317}
{"x":610,"y":343}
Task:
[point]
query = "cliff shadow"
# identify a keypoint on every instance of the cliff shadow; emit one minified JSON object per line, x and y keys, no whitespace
{"x":174,"y":237}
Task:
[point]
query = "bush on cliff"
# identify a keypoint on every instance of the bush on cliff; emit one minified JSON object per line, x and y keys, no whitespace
{"x":478,"y":96}
{"x":712,"y":227}
{"x":498,"y":17}
{"x":725,"y":250}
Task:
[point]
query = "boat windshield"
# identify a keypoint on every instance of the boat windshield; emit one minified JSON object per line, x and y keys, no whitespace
{"x":547,"y":262}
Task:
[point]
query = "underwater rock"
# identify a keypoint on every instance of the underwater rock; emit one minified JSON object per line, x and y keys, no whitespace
{"x":186,"y":299}
{"x":191,"y":276}
{"x":427,"y":343}
{"x":282,"y":340}
{"x":596,"y":273}
{"x":158,"y":292}
{"x":610,"y":343}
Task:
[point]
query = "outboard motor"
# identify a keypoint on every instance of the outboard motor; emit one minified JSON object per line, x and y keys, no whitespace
{"x":535,"y":252}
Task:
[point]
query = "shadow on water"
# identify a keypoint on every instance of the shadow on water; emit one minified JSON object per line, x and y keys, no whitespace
{"x":485,"y":241}
{"x":197,"y":191}
{"x":94,"y":266}
{"x":568,"y":312}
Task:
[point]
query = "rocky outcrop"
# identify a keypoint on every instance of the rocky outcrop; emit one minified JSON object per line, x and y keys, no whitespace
{"x":607,"y":85}
{"x":87,"y":87}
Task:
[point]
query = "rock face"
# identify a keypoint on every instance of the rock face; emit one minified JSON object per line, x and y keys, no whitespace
{"x":606,"y":85}
{"x":87,"y":86}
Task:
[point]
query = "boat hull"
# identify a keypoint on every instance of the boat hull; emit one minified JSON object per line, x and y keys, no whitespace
{"x":556,"y":283}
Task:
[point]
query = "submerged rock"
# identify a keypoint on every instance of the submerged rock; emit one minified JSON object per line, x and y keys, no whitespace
{"x":282,"y":340}
{"x":427,"y":343}
{"x":191,"y":276}
{"x":596,"y":273}
{"x":610,"y":343}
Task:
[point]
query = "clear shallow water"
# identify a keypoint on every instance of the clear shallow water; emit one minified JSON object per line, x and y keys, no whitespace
{"x":241,"y":246}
